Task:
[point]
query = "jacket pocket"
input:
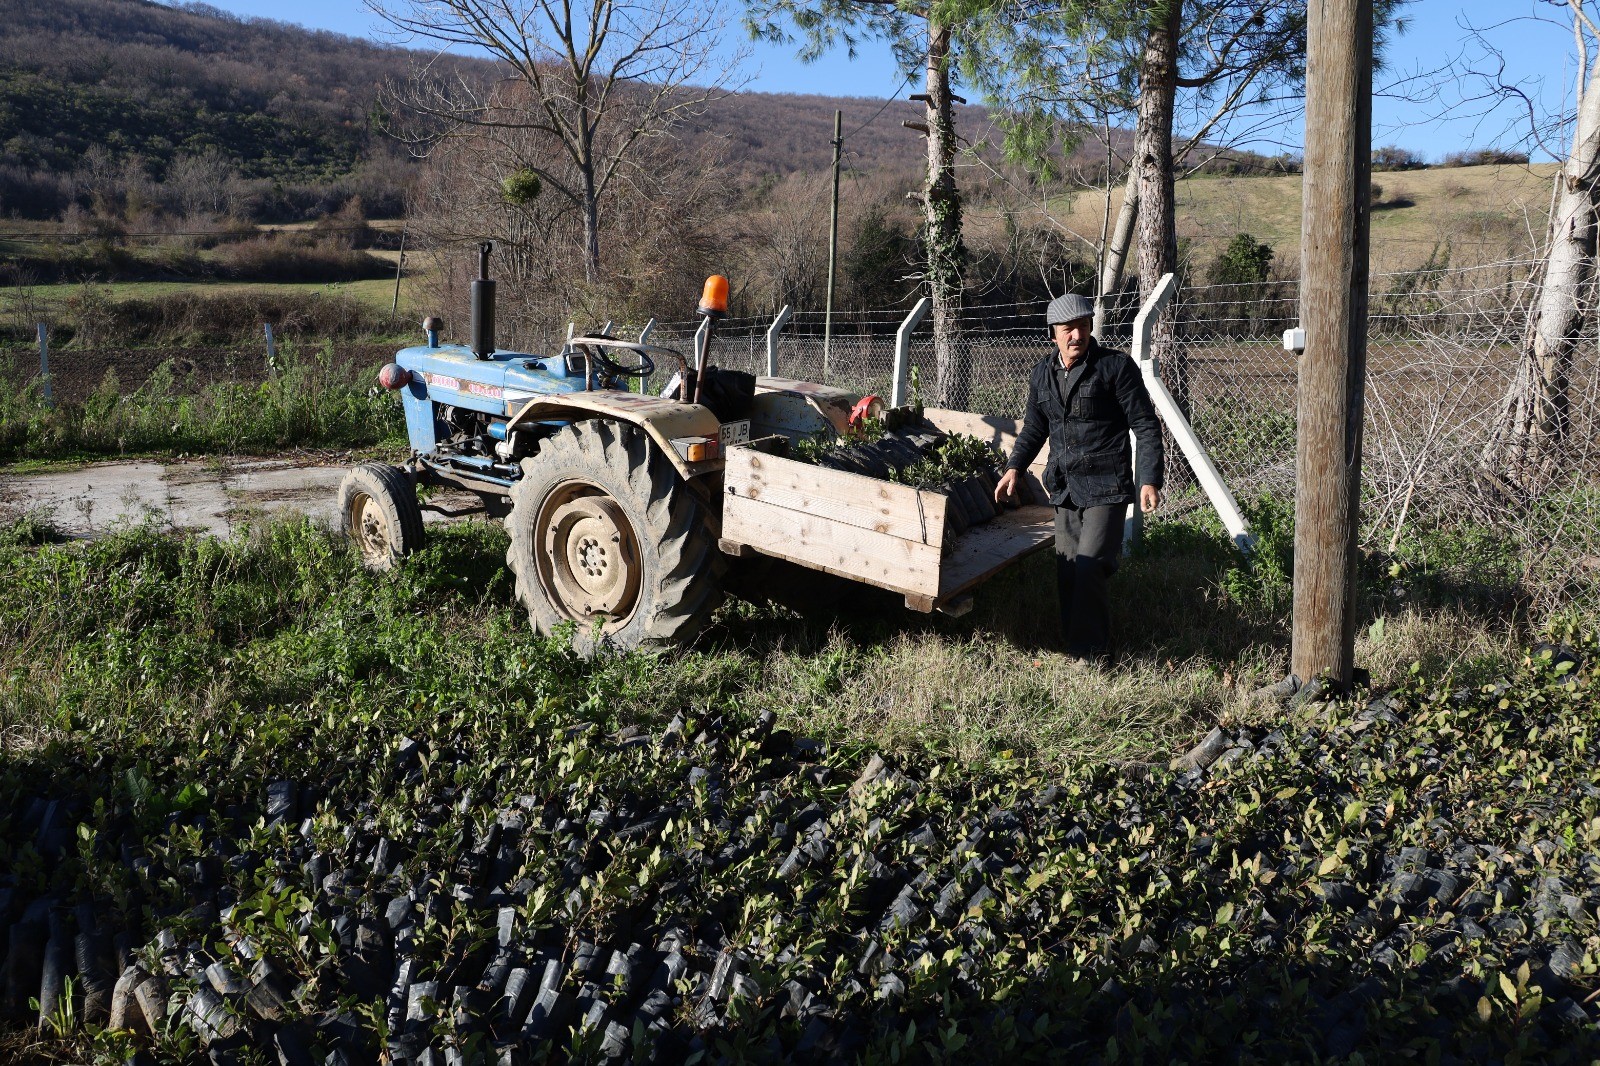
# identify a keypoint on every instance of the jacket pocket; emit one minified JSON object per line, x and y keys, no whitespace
{"x":1092,"y":401}
{"x":1095,"y":490}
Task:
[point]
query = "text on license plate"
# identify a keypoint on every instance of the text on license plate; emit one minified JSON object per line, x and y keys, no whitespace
{"x":733,"y":433}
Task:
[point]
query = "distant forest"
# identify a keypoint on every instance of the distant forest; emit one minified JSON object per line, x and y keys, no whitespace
{"x":90,"y":89}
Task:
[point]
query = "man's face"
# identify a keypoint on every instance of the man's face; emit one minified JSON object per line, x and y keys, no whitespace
{"x":1072,"y":339}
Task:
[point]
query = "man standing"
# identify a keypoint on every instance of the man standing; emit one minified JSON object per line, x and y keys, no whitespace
{"x":1084,"y":399}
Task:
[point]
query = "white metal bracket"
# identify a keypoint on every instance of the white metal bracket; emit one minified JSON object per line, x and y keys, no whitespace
{"x":772,"y":339}
{"x":902,"y":351}
{"x":1205,"y":471}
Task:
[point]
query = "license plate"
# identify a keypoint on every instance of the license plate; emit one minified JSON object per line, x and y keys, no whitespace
{"x":730,"y":434}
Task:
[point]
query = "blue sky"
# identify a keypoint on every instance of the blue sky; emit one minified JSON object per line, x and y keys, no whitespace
{"x":1537,"y":56}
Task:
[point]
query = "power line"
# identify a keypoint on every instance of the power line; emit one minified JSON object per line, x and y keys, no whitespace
{"x":893,"y":98}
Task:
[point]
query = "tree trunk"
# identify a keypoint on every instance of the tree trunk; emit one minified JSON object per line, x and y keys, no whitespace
{"x":1158,"y":233}
{"x":591,"y":227}
{"x":1114,"y":259}
{"x":1535,"y":416}
{"x":942,"y":222}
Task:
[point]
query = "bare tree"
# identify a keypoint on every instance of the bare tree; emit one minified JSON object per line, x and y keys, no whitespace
{"x":598,"y":80}
{"x":203,"y":183}
{"x":656,"y":258}
{"x":789,"y":250}
{"x":1535,"y":416}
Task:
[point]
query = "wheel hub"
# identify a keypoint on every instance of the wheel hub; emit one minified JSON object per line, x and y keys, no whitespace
{"x":371,"y":527}
{"x":594,"y":560}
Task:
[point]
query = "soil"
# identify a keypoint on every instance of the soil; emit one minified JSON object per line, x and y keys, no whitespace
{"x":215,"y":495}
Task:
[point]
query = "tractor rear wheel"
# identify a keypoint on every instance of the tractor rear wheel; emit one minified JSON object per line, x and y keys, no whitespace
{"x":378,"y":511}
{"x":605,"y":534}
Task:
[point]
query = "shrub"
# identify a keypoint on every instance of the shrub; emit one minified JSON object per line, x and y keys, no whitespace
{"x":1245,"y":261}
{"x":314,"y":401}
{"x":521,"y":187}
{"x":1393,"y":157}
{"x":234,"y":752}
{"x":289,"y":257}
{"x":1264,"y":581}
{"x":1483,"y":157}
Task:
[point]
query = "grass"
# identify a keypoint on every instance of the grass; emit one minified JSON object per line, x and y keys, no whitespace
{"x":987,"y":687}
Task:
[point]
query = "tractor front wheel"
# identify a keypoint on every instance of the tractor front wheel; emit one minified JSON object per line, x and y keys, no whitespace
{"x":605,"y":534}
{"x":378,"y":511}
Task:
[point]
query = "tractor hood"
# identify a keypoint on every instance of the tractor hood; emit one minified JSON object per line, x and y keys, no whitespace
{"x":499,"y":385}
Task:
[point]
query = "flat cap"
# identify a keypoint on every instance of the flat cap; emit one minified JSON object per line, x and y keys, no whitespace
{"x":1069,"y":308}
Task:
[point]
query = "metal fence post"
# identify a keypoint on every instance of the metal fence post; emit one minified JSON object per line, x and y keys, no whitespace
{"x":902,"y":351}
{"x":44,"y":364}
{"x":772,"y":339}
{"x":702,"y":342}
{"x":272,"y":349}
{"x":1205,"y":471}
{"x":1143,"y":327}
{"x":644,"y":338}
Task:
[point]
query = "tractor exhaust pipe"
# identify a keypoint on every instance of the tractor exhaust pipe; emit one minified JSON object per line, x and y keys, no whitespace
{"x":483,"y":306}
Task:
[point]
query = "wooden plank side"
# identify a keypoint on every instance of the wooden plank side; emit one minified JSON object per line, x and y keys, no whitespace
{"x":852,"y":499}
{"x":985,"y":550}
{"x":822,"y":543}
{"x":991,"y":429}
{"x":1000,"y":432}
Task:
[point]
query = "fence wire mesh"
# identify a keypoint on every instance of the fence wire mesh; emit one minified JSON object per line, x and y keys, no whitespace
{"x":1444,"y":347}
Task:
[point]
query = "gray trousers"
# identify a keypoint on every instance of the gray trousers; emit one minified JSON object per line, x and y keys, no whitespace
{"x":1088,"y":549}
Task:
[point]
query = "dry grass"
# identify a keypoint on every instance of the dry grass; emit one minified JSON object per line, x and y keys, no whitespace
{"x":1441,"y":639}
{"x":1486,"y":213}
{"x":994,"y":686}
{"x":975,"y":698}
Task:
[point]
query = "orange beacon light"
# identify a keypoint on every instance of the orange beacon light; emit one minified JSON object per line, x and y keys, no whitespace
{"x":714,"y":298}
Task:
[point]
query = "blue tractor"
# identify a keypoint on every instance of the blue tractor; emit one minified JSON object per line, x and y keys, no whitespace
{"x":610,"y":496}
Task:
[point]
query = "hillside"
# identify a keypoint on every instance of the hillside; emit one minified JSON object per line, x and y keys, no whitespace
{"x":86,"y":86}
{"x":1482,"y":213}
{"x":296,"y":107}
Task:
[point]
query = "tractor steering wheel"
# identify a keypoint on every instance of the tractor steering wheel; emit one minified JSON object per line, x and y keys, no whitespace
{"x":607,"y":367}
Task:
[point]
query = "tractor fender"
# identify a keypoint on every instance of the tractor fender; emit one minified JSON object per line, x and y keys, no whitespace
{"x":663,"y":420}
{"x":833,"y":406}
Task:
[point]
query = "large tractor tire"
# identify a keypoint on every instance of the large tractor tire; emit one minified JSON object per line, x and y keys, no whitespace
{"x":378,"y":511}
{"x":605,"y":534}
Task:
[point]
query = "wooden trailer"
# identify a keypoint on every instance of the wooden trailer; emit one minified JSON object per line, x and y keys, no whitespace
{"x":878,"y":532}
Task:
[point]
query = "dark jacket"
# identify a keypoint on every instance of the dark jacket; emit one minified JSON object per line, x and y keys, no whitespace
{"x":1090,"y":457}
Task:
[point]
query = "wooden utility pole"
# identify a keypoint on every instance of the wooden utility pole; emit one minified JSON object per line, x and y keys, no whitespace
{"x":1333,"y":312}
{"x":399,"y":265}
{"x":833,"y":243}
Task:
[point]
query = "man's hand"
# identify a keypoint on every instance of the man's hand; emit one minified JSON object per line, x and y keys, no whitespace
{"x":1149,"y":498}
{"x":1006,"y":490}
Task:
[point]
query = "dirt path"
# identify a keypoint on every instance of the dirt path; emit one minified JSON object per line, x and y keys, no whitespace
{"x":213,"y":496}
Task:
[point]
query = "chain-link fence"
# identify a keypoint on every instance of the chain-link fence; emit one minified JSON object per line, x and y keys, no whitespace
{"x":1443,"y":352}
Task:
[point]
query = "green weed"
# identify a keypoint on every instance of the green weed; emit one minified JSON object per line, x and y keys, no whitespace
{"x":313,"y":400}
